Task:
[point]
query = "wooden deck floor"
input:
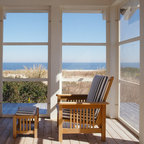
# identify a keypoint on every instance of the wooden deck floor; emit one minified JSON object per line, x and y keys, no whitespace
{"x":48,"y":134}
{"x":128,"y":111}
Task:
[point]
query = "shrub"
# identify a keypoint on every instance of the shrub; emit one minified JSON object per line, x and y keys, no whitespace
{"x":24,"y":92}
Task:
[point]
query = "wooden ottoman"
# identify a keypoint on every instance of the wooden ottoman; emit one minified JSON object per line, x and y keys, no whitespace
{"x":26,"y":123}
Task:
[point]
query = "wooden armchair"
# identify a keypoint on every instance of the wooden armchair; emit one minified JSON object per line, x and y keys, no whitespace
{"x":85,"y":113}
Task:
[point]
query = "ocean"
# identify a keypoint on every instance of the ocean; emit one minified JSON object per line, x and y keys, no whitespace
{"x":66,"y":66}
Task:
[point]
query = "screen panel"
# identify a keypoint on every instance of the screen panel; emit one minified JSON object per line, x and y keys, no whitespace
{"x":129,"y":20}
{"x":129,"y":104}
{"x":130,"y":61}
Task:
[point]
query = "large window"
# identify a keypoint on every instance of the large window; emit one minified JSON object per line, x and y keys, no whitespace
{"x":26,"y":27}
{"x":25,"y":61}
{"x":129,"y":46}
{"x":83,"y":50}
{"x":129,"y":21}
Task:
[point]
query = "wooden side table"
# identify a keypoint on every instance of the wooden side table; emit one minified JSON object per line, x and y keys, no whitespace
{"x":22,"y":124}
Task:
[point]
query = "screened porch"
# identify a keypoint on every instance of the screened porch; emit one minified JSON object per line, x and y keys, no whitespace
{"x":54,"y":47}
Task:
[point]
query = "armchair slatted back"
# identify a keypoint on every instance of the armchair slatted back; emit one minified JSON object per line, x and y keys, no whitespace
{"x":99,"y":90}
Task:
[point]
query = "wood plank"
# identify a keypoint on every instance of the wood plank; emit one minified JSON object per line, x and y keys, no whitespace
{"x":28,"y":140}
{"x":41,"y":128}
{"x":114,"y":135}
{"x":120,"y":133}
{"x":109,"y":138}
{"x":47,"y":131}
{"x":10,"y":139}
{"x":82,"y":139}
{"x":20,"y":140}
{"x":128,"y":133}
{"x":72,"y":137}
{"x":55,"y":133}
{"x":6,"y":132}
{"x":92,"y":139}
{"x":48,"y":134}
{"x":3,"y":125}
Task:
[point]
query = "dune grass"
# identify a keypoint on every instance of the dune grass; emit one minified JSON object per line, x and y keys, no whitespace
{"x":37,"y":71}
{"x":128,"y":94}
{"x":130,"y":74}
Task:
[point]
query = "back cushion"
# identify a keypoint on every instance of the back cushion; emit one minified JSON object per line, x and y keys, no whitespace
{"x":97,"y":90}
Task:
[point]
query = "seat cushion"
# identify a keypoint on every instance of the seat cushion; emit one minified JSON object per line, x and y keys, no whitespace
{"x":26,"y":110}
{"x":66,"y":114}
{"x":97,"y":90}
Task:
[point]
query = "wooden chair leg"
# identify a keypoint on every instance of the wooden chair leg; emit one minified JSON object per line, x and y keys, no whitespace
{"x":60,"y":124}
{"x":60,"y":135}
{"x":103,"y":135}
{"x":57,"y":120}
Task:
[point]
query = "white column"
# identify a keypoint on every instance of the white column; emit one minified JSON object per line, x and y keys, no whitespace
{"x":113,"y":60}
{"x":141,"y":125}
{"x":1,"y":57}
{"x":54,"y":58}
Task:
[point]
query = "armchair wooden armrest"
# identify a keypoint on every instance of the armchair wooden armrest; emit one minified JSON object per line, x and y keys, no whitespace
{"x":72,"y":97}
{"x":81,"y":104}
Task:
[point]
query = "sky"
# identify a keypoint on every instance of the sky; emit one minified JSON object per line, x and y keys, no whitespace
{"x":76,"y":27}
{"x":28,"y":27}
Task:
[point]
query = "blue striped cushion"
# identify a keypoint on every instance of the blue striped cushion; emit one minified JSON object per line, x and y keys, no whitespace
{"x":96,"y":94}
{"x":97,"y":90}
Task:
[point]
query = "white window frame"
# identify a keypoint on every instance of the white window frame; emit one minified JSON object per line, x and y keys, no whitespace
{"x":88,"y":10}
{"x":126,"y":82}
{"x":27,"y":10}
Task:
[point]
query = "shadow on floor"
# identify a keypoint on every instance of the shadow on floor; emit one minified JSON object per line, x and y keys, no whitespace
{"x":48,"y":133}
